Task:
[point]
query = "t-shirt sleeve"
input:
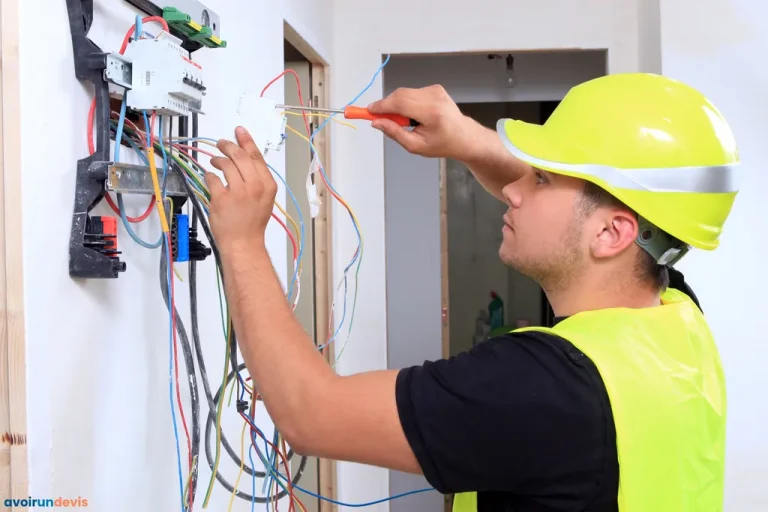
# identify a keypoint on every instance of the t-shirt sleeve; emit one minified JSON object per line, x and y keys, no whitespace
{"x":517,"y":414}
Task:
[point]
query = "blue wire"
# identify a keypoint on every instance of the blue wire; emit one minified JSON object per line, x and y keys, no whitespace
{"x":273,"y":471}
{"x":170,"y":375}
{"x":120,"y":204}
{"x":301,"y":229}
{"x":358,"y":255}
{"x":165,"y":157}
{"x":139,"y":27}
{"x":253,"y":480}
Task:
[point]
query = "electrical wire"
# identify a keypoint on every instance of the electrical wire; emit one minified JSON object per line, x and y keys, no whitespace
{"x":359,"y":252}
{"x":198,"y":196}
{"x":213,"y":401}
{"x":120,"y":205}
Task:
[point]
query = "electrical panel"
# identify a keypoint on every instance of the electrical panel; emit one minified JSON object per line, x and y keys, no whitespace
{"x":164,"y":77}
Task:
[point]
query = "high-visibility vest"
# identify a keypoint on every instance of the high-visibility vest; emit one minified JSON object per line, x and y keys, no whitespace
{"x":665,"y":382}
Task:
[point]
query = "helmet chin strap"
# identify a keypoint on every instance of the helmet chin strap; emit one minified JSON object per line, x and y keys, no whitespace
{"x":665,"y":249}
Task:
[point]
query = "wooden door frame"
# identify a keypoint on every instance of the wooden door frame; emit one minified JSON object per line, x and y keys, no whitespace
{"x":13,"y":420}
{"x":444,"y":285}
{"x":322,"y":255}
{"x":444,"y":297}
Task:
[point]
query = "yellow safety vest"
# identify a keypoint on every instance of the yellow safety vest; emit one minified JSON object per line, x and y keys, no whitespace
{"x":666,"y":386}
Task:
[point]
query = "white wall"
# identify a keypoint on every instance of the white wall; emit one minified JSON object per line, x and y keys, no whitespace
{"x":99,"y":422}
{"x":714,"y":45}
{"x":358,"y":156}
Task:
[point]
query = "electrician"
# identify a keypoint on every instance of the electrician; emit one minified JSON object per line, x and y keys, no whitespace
{"x":621,"y":405}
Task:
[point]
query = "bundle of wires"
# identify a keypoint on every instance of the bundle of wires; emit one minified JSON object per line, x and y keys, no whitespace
{"x":182,"y":159}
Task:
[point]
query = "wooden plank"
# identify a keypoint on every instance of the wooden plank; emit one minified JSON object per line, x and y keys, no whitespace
{"x":323,"y":262}
{"x":444,"y":257}
{"x":13,"y":425}
{"x":292,"y":36}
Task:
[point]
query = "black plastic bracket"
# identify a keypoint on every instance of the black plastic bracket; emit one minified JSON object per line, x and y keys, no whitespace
{"x":87,"y":257}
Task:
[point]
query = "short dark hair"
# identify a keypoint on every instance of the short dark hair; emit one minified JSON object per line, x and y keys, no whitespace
{"x":646,"y":267}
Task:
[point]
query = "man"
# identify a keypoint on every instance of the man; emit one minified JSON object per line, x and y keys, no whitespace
{"x":621,"y":405}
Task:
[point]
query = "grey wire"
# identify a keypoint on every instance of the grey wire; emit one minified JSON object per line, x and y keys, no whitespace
{"x":190,"y":364}
{"x":198,"y":215}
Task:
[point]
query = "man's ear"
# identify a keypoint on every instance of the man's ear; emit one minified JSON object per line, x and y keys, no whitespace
{"x":617,"y":230}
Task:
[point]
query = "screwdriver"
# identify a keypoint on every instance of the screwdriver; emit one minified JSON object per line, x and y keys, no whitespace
{"x":356,"y":113}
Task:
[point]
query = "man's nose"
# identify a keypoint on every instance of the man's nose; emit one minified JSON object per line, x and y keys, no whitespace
{"x":512,"y":194}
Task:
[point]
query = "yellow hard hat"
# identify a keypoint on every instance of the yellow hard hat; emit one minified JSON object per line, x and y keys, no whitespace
{"x":656,"y":144}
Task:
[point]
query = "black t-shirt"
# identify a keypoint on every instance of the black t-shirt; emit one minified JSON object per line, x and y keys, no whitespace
{"x":524,"y":419}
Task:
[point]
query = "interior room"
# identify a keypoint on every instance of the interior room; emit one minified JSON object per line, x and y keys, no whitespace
{"x":124,"y":385}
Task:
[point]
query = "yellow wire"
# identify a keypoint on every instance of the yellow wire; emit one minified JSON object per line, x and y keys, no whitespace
{"x":239,"y":473}
{"x":317,"y":114}
{"x":296,"y":132}
{"x":218,"y":415}
{"x":156,"y":186}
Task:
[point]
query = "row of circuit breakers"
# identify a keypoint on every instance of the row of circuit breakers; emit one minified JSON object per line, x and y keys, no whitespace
{"x":157,"y":73}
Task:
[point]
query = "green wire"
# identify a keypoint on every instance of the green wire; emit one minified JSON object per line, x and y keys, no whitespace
{"x":218,"y":423}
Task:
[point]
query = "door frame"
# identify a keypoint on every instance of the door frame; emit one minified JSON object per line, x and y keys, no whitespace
{"x":321,"y":229}
{"x":13,"y":418}
{"x":444,"y":285}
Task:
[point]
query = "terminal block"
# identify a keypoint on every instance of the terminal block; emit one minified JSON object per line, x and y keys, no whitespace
{"x":194,"y":31}
{"x":184,"y":243}
{"x":190,"y":20}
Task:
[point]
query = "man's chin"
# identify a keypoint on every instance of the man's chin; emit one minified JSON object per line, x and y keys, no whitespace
{"x":507,"y":258}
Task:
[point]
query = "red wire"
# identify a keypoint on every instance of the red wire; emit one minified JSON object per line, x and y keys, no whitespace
{"x":92,"y":112}
{"x":290,"y":235}
{"x":176,"y":358}
{"x":298,"y":85}
{"x":291,"y":507}
{"x":282,"y":457}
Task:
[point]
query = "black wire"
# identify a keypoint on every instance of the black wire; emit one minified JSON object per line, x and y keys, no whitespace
{"x":190,"y":363}
{"x":199,"y":216}
{"x":213,"y":401}
{"x":247,"y":469}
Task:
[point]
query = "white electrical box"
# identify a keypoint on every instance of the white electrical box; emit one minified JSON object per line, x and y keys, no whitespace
{"x":264,"y":122}
{"x":164,"y":77}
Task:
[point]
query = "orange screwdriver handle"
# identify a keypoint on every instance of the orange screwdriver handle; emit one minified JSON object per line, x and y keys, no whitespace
{"x":363,"y":113}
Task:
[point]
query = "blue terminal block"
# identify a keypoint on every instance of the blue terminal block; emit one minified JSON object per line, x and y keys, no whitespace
{"x":181,"y":249}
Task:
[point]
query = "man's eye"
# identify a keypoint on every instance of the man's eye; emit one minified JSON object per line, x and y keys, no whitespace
{"x":540,"y":178}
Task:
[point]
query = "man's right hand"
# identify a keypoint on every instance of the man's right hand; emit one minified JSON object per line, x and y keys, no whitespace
{"x":443,"y":131}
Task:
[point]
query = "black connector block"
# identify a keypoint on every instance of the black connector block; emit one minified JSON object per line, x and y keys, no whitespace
{"x":198,"y":251}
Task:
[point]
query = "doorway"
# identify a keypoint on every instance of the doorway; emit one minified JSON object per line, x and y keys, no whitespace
{"x":476,"y":284}
{"x":419,"y":309}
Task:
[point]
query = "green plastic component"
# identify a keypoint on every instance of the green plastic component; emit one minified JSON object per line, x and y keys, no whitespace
{"x":173,"y":15}
{"x":205,"y":36}
{"x":181,"y":22}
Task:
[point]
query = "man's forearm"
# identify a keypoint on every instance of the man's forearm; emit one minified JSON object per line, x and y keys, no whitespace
{"x":273,"y":343}
{"x":490,"y":162}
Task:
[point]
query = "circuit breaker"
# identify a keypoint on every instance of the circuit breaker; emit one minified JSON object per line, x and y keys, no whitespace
{"x":164,"y":77}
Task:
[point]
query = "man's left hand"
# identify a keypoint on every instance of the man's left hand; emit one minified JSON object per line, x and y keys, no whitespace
{"x":239,"y":213}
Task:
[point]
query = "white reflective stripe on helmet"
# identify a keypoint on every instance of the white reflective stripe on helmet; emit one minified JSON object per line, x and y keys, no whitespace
{"x":704,"y":179}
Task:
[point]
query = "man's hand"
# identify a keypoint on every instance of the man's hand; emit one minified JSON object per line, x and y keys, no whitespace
{"x":443,"y":130}
{"x":239,"y":212}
